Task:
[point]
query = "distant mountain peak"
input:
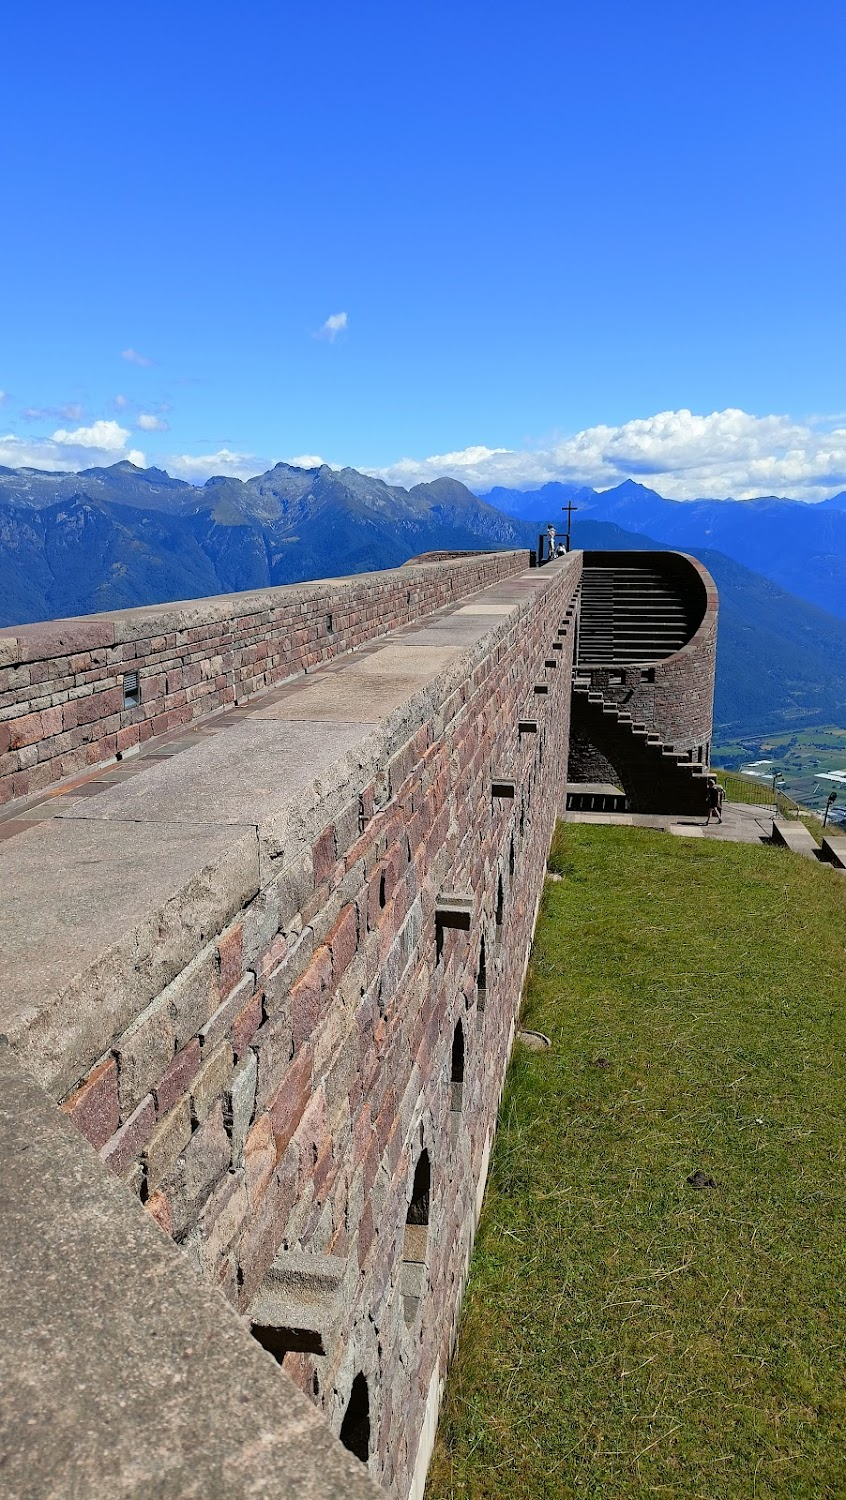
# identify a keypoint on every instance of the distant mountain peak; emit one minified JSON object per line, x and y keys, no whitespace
{"x":631,"y":488}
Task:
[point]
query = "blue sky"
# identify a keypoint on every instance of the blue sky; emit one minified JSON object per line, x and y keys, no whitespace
{"x":535,"y":226}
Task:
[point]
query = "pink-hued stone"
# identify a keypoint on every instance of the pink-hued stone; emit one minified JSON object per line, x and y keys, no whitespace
{"x":94,"y":1107}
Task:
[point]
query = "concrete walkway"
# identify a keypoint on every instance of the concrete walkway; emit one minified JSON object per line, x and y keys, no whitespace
{"x":742,"y":823}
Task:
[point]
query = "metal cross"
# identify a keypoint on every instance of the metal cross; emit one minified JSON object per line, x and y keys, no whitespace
{"x":569,"y":507}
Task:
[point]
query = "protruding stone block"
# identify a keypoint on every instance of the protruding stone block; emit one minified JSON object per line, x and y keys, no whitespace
{"x":299,"y":1304}
{"x":452,"y":910}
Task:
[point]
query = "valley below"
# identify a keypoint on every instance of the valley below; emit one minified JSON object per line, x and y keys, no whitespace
{"x":810,"y":764}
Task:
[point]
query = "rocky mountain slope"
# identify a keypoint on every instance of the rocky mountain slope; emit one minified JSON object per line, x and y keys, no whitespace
{"x":112,"y":538}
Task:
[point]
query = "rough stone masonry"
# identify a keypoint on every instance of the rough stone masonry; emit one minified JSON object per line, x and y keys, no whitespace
{"x":268,"y":968}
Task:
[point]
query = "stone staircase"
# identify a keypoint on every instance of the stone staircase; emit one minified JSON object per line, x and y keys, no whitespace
{"x":656,"y":777}
{"x":629,"y":614}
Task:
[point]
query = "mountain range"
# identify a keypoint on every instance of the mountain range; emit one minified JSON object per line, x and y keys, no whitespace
{"x":121,"y":536}
{"x":112,"y":538}
{"x":799,"y":546}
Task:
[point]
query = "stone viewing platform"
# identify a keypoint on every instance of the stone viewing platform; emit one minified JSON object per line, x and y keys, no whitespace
{"x":270,"y":869}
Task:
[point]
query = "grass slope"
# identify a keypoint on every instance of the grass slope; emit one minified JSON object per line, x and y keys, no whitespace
{"x":624,"y":1334}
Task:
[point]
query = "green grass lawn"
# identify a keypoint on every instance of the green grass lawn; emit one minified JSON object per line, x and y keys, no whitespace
{"x":623,"y":1333}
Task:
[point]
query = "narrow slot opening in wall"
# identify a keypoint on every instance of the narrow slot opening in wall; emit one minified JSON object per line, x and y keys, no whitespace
{"x":415,"y":1239}
{"x":131,"y":690}
{"x":382,"y":891}
{"x":330,"y":626}
{"x":457,"y":1070}
{"x":511,"y":858}
{"x":482,"y":973}
{"x":500,"y":901}
{"x":355,"y":1428}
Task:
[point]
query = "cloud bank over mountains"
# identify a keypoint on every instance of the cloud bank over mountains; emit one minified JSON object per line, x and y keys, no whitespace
{"x":103,"y":442}
{"x":681,"y":454}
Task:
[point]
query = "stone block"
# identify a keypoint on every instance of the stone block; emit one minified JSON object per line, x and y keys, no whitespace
{"x":246,"y":1025}
{"x":94,"y":1107}
{"x":291,"y":1099}
{"x":273,"y":1045}
{"x":221,"y":1222}
{"x":260,"y":924}
{"x":144,"y":1053}
{"x":192,"y":998}
{"x":303,"y":1292}
{"x":26,"y":730}
{"x":203,"y":1162}
{"x":341,"y":942}
{"x":61,"y":638}
{"x":260,"y":1157}
{"x":293,"y":888}
{"x":178,"y":1077}
{"x":169,"y":1138}
{"x":242,"y":1098}
{"x":270,"y":1221}
{"x":212,"y":1081}
{"x":130,"y":1140}
{"x":324,"y":856}
{"x":230,"y":959}
{"x":220,"y":1024}
{"x":309,"y":994}
{"x":278,"y":983}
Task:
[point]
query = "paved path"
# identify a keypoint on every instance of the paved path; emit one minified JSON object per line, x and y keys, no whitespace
{"x":742,"y":823}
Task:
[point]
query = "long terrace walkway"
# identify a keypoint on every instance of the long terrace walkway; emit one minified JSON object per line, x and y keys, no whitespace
{"x":742,"y":823}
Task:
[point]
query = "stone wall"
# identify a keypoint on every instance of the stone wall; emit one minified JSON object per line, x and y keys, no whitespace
{"x":63,"y":685}
{"x":273,"y":1063}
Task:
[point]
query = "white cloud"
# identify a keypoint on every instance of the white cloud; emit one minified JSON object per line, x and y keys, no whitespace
{"x":679,"y":453}
{"x":136,"y":457}
{"x":107,"y":436}
{"x":150,"y":423}
{"x":102,"y":443}
{"x":196,"y":468}
{"x":306,"y":461}
{"x":120,"y":403}
{"x":71,"y":412}
{"x":336,"y":323}
{"x":135,"y":358}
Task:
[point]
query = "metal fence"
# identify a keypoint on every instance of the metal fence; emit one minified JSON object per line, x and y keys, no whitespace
{"x":760,"y":793}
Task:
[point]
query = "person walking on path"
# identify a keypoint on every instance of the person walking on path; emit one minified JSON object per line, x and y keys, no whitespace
{"x":714,"y":800}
